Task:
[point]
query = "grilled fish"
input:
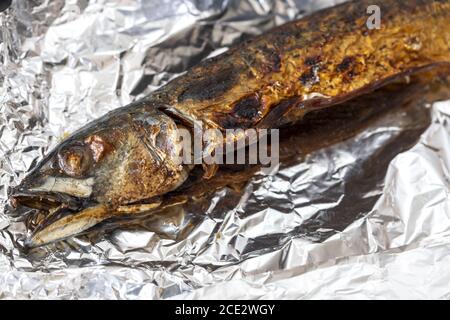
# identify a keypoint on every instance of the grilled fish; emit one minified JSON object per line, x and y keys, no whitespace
{"x":125,"y":162}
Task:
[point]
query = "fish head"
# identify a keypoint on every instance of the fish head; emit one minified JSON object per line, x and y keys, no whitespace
{"x":122,"y":158}
{"x":129,"y":156}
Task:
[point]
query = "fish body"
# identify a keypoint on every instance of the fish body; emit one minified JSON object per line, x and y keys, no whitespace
{"x":320,"y":60}
{"x":124,"y":162}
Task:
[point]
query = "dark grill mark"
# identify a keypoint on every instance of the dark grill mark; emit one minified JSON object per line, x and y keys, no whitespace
{"x":346,"y":64}
{"x":247,"y":108}
{"x":245,"y":113}
{"x":309,"y":77}
{"x":209,"y":86}
{"x":227,"y":121}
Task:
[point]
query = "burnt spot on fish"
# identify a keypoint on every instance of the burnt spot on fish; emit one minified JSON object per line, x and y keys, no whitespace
{"x":228,"y":121}
{"x":312,"y":61}
{"x":309,"y":77}
{"x":210,"y":86}
{"x":245,"y":113}
{"x":351,"y":67}
{"x":346,"y":64}
{"x":247,"y":108}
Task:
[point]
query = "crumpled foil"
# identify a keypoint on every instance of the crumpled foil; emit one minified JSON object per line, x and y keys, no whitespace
{"x":365,"y":218}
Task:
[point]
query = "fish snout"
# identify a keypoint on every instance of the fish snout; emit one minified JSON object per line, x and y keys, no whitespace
{"x":26,"y":194}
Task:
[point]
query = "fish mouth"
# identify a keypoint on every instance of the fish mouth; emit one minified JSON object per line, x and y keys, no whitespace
{"x":43,"y":200}
{"x":64,"y":216}
{"x":67,"y":215}
{"x":60,"y":211}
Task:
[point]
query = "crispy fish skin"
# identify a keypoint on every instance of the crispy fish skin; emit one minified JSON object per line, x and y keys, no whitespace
{"x":123,"y":162}
{"x":322,"y":59}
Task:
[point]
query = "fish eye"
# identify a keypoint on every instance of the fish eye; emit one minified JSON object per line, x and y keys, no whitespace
{"x":75,"y":160}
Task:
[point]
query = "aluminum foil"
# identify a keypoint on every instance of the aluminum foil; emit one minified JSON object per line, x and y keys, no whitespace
{"x":365,"y":218}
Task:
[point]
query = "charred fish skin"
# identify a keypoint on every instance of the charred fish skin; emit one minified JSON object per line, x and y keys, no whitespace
{"x":121,"y":163}
{"x":127,"y":155}
{"x":322,"y":59}
{"x":101,"y":170}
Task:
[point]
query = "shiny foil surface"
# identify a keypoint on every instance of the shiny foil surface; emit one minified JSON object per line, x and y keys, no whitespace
{"x":366,"y":218}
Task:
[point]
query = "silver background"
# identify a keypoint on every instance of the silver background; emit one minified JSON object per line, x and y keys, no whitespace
{"x":322,"y":228}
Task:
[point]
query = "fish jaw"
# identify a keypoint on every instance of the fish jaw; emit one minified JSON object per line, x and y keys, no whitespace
{"x":65,"y":224}
{"x":81,"y":188}
{"x":42,"y":191}
{"x":68,"y":225}
{"x":65,"y":214}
